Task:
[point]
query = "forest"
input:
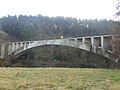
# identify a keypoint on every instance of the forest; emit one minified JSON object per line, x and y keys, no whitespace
{"x":27,"y":28}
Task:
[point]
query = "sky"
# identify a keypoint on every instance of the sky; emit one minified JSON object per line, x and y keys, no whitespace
{"x":83,"y":9}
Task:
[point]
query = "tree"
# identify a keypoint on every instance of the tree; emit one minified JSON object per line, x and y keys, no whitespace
{"x":116,"y":40}
{"x":118,"y":9}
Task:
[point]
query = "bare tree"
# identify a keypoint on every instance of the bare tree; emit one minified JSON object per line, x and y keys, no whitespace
{"x":118,"y":9}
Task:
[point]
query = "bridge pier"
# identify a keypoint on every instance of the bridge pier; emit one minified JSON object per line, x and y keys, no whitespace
{"x":92,"y":41}
{"x":102,"y":42}
{"x":83,"y":40}
{"x":9,"y":48}
{"x":2,"y":50}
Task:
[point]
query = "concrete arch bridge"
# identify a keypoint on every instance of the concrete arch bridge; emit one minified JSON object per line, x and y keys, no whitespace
{"x":96,"y":44}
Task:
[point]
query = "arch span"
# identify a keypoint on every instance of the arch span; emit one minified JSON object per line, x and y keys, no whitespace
{"x":64,"y":42}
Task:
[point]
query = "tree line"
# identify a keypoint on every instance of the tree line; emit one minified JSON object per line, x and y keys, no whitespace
{"x":24,"y":27}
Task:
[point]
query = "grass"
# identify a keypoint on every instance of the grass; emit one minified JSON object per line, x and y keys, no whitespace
{"x":59,"y":79}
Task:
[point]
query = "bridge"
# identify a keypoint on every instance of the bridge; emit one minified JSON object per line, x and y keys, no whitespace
{"x":96,"y":44}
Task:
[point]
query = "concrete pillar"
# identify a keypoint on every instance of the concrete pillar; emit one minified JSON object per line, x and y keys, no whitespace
{"x":24,"y":44}
{"x":16,"y":47}
{"x":13,"y":47}
{"x":102,"y":41}
{"x":74,"y":39}
{"x":92,"y":41}
{"x":2,"y":55}
{"x":27,"y":43}
{"x":6,"y":49}
{"x":19,"y":46}
{"x":83,"y":40}
{"x":9,"y":48}
{"x":15,"y":44}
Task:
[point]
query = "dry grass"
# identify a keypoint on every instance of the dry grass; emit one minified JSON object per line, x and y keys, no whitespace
{"x":59,"y":79}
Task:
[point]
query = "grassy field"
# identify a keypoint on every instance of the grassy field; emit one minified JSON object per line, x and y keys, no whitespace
{"x":59,"y":79}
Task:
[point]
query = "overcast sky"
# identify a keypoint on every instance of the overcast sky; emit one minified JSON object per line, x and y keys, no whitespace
{"x":84,"y":9}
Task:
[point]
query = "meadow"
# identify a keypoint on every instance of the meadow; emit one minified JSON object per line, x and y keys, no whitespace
{"x":59,"y":79}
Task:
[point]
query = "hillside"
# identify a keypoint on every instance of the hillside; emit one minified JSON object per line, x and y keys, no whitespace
{"x":24,"y":27}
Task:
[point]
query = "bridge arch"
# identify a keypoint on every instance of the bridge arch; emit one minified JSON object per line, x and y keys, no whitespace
{"x":63,"y":42}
